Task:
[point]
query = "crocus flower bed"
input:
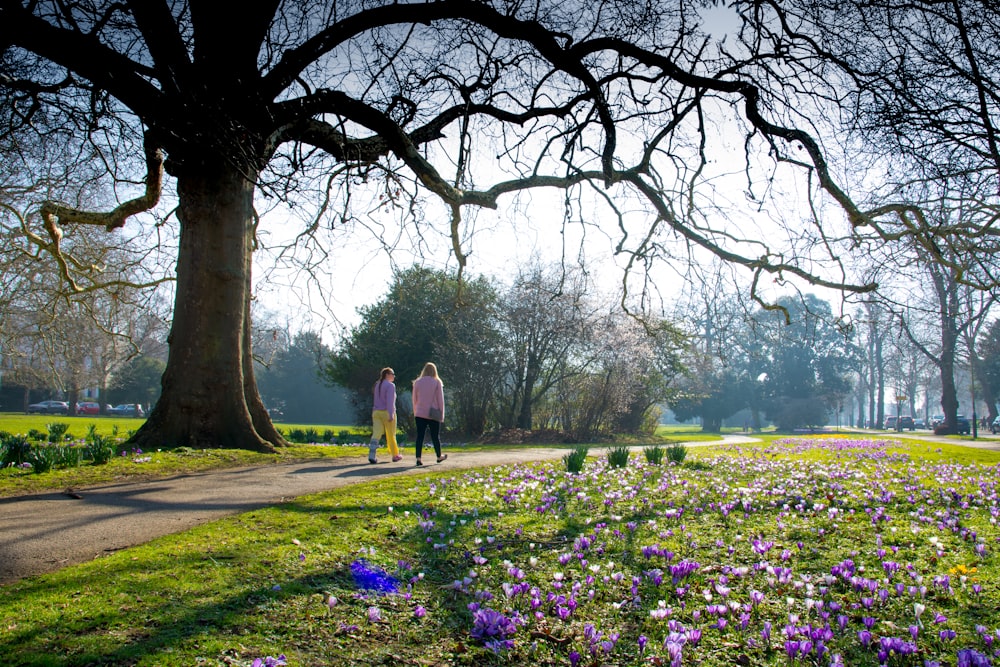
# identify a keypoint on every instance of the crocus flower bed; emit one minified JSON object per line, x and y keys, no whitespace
{"x":805,"y":552}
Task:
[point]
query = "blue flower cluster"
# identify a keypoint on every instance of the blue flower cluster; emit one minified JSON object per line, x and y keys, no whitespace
{"x":373,"y":579}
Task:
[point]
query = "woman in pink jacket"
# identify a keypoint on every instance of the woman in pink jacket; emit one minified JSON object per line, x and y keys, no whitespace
{"x":428,"y":409}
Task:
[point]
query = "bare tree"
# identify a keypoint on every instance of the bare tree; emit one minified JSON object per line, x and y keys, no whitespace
{"x":627,"y":106}
{"x":978,"y":304}
{"x":945,"y":315}
{"x":545,"y":317}
{"x":919,"y":79}
{"x":623,"y":371}
{"x":907,"y":370}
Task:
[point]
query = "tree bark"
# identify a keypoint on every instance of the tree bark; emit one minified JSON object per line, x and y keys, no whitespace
{"x":258,"y":413}
{"x":947,"y":291}
{"x":531,"y":374}
{"x":711,"y":424}
{"x":949,"y":392}
{"x":209,"y":399}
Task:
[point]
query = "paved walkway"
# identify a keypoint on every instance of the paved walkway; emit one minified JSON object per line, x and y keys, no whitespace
{"x":44,"y":532}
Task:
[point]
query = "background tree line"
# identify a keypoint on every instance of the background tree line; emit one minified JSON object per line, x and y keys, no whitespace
{"x":539,"y":353}
{"x":547,"y":352}
{"x":924,"y":345}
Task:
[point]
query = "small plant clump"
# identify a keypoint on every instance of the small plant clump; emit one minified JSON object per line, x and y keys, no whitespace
{"x":100,"y":449}
{"x":574,"y":460}
{"x":44,"y":458}
{"x":70,"y":456}
{"x":654,"y":454}
{"x":57,"y":431}
{"x":14,"y":449}
{"x":677,"y":452}
{"x":618,"y":456}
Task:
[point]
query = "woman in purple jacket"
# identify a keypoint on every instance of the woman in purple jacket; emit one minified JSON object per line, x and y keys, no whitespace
{"x":384,"y":416}
{"x":428,"y":409}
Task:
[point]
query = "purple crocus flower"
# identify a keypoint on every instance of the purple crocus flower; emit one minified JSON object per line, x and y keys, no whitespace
{"x":968,"y":657}
{"x":491,"y":624}
{"x":270,"y":662}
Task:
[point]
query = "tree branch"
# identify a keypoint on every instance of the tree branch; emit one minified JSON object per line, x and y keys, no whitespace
{"x":55,"y":216}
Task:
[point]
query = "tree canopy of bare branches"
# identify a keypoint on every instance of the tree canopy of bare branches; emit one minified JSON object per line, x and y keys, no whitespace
{"x":644,"y":119}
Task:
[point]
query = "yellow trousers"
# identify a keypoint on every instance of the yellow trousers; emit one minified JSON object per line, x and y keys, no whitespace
{"x":381,"y":424}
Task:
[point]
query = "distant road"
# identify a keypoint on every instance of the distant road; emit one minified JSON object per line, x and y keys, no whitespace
{"x":985,"y":440}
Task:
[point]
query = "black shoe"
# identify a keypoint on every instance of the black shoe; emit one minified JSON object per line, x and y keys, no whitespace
{"x":442,"y":457}
{"x":372,"y":461}
{"x":419,"y":463}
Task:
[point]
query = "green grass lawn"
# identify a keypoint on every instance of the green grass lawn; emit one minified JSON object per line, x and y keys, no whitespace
{"x":806,"y":551}
{"x":16,"y":422}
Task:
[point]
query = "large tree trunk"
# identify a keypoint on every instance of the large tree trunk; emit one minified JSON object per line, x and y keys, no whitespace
{"x":711,"y":424}
{"x":949,"y":392}
{"x":947,"y":289}
{"x":524,"y":417}
{"x":208,"y":388}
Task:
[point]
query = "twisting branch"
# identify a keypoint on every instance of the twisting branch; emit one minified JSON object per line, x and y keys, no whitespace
{"x":55,"y":216}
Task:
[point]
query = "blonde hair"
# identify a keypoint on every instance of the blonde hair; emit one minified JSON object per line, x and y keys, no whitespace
{"x":429,"y":369}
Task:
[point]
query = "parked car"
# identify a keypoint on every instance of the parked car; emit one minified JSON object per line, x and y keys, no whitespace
{"x":49,"y":408}
{"x":906,"y":423}
{"x":937,"y":420}
{"x":964,"y":427}
{"x":890,"y":424}
{"x":88,"y":408}
{"x":919,"y":423}
{"x":127,"y":410}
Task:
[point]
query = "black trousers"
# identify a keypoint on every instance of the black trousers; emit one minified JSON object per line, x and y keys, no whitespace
{"x":435,"y":427}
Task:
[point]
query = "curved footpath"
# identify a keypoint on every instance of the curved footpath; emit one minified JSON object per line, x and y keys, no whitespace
{"x":44,"y":532}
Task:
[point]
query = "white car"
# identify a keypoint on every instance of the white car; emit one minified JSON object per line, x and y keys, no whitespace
{"x":49,"y":408}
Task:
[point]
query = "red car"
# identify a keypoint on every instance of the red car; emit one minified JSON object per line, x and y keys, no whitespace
{"x":88,"y":408}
